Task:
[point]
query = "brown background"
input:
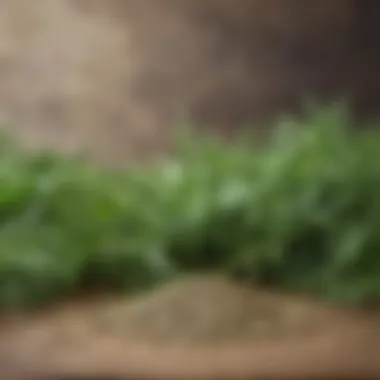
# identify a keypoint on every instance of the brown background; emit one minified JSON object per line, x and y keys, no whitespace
{"x":113,"y":77}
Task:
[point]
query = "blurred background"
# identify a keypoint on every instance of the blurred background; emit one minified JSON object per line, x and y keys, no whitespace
{"x":113,"y":77}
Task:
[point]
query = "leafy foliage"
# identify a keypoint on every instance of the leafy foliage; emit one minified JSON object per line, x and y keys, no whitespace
{"x":301,"y":214}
